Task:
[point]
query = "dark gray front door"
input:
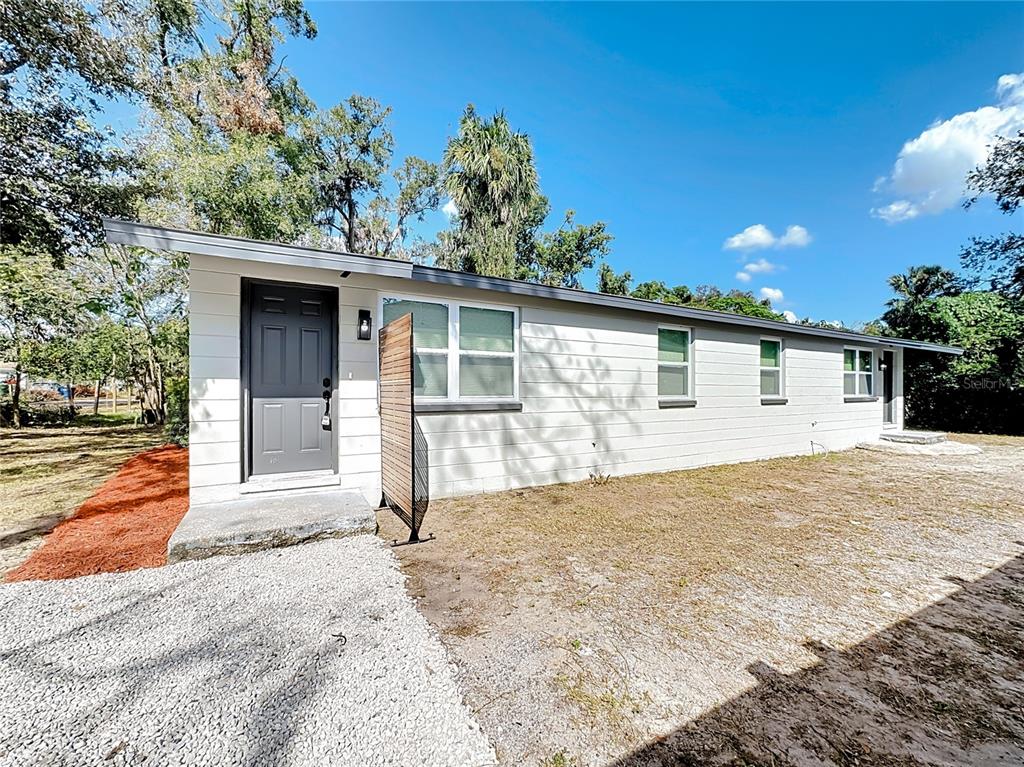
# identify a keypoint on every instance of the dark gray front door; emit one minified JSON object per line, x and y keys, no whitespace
{"x":888,"y":387}
{"x":291,"y":369}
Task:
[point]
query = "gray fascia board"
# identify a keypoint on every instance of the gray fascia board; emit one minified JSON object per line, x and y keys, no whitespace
{"x":183,"y":241}
{"x":518,"y":287}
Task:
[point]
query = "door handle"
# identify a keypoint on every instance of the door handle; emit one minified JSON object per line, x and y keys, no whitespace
{"x":325,"y":422}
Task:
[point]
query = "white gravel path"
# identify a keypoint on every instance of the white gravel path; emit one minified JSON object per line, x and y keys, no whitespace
{"x":231,"y":661}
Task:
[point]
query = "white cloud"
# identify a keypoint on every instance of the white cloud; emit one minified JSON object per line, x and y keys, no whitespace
{"x":929,"y":172}
{"x":796,"y":237}
{"x":752,"y":238}
{"x":761,"y":266}
{"x":901,"y":210}
{"x":743,"y":276}
{"x":450,"y":209}
{"x":790,"y":316}
{"x":772,"y":294}
{"x":760,"y":237}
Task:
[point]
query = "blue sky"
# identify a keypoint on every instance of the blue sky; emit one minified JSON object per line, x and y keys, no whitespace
{"x":683,"y":125}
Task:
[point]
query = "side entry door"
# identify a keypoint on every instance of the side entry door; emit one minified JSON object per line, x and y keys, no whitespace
{"x":291,"y":377}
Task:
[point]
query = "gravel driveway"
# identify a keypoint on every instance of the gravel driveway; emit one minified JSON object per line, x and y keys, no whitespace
{"x":310,"y":655}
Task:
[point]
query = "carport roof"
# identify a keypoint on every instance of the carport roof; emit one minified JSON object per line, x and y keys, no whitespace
{"x":120,"y":232}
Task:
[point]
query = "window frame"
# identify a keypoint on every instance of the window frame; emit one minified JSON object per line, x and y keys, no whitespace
{"x":857,"y":372}
{"x":690,"y":395}
{"x":781,"y":368}
{"x":453,"y":351}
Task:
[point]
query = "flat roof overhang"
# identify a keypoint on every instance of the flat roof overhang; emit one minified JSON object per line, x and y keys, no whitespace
{"x":119,"y":232}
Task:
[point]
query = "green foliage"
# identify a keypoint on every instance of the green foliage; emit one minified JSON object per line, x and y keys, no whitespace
{"x":981,"y":391}
{"x":920,"y":282}
{"x":489,"y":174}
{"x":706,"y":296}
{"x":354,"y":146}
{"x":177,"y":410}
{"x":559,"y":257}
{"x":58,"y":172}
{"x":243,"y":186}
{"x":999,"y":260}
{"x":739,"y":302}
{"x":611,"y":283}
{"x":66,"y":41}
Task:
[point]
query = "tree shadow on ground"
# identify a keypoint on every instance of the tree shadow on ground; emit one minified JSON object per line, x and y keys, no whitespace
{"x":946,"y":686}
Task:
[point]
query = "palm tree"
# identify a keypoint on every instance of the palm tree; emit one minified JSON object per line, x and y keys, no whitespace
{"x":491,"y":178}
{"x":921,"y":282}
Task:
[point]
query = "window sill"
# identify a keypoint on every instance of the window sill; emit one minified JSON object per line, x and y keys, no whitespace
{"x":774,"y":400}
{"x":860,"y":399}
{"x":467,"y":407}
{"x":669,"y":403}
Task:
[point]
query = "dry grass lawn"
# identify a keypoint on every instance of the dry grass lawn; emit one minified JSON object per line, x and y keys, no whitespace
{"x":46,"y":474}
{"x":856,"y":608}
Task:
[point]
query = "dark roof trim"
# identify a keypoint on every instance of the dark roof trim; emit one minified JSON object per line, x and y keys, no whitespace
{"x":183,"y":241}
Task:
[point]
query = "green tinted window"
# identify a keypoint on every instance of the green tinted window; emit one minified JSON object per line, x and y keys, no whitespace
{"x":849,"y":359}
{"x":770,"y":383}
{"x":485,"y":376}
{"x":485,"y":330}
{"x":770,"y":354}
{"x":429,"y":321}
{"x":673,"y":381}
{"x":430,"y":375}
{"x":673,"y":345}
{"x":865,"y":362}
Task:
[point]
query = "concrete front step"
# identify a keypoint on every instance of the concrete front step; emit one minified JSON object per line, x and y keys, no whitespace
{"x":266,"y":521}
{"x":914,"y":437}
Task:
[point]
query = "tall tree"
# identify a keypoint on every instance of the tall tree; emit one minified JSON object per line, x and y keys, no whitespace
{"x":354,"y":146}
{"x":491,"y":178}
{"x":999,"y":259}
{"x":982,"y":390}
{"x":226,"y":145}
{"x":559,"y":258}
{"x":37,"y":303}
{"x":386,"y":227}
{"x":921,"y":282}
{"x":58,"y":173}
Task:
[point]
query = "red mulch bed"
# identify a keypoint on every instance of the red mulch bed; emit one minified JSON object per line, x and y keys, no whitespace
{"x":125,"y":525}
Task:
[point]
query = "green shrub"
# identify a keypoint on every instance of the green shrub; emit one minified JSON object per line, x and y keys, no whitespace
{"x":177,"y":410}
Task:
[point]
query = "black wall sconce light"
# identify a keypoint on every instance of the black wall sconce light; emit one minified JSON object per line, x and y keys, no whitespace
{"x":365,"y":325}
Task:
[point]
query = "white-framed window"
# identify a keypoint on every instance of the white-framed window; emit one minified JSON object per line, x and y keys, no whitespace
{"x":773,"y":382}
{"x":858,"y":372}
{"x":675,"y":366}
{"x":461,"y":351}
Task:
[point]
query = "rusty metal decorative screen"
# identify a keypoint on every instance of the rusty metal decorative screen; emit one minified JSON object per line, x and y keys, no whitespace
{"x":402,"y":486}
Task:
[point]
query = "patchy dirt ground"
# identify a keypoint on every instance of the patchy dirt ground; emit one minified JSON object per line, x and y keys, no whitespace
{"x":46,"y":474}
{"x":857,"y":608}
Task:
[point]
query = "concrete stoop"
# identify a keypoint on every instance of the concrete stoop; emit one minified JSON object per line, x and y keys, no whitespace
{"x":914,"y":437}
{"x":264,"y":522}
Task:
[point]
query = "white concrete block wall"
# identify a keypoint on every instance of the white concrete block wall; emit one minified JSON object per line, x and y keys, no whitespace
{"x":588,"y":384}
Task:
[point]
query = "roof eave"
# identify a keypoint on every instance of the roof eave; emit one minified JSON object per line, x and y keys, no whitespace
{"x":184,"y":241}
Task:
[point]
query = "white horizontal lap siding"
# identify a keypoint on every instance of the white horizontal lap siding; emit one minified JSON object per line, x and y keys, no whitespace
{"x":358,"y":421}
{"x":588,"y":385}
{"x":215,"y":406}
{"x":587,"y":382}
{"x":214,"y":387}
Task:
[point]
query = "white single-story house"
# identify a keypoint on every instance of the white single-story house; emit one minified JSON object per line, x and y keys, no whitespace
{"x":516,"y":384}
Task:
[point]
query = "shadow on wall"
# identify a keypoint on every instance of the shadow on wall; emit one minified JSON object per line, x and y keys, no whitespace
{"x":550,"y":442}
{"x":942,"y":686}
